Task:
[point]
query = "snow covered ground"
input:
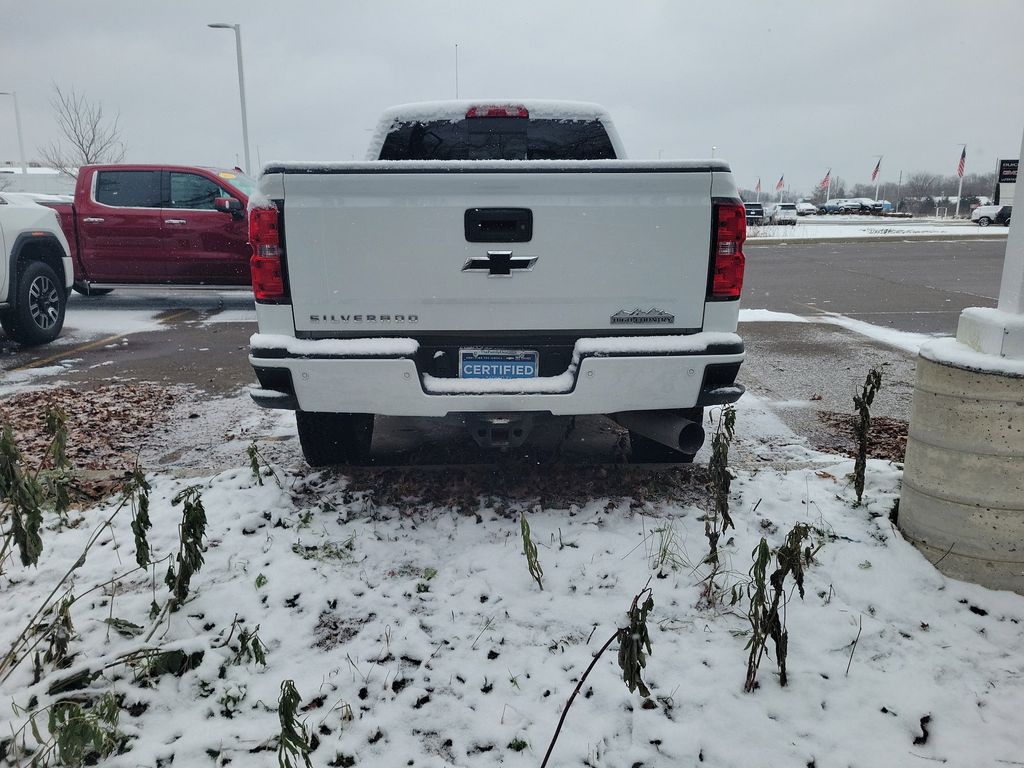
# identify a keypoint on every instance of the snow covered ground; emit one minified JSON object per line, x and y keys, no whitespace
{"x":402,"y":608}
{"x":905,"y":340}
{"x":860,"y":227}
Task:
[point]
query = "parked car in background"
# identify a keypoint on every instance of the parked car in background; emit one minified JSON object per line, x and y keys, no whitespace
{"x":859,"y":205}
{"x":803,"y":208}
{"x":157,"y":225}
{"x":985,"y":215}
{"x":832,"y":206}
{"x":35,"y":273}
{"x":755,"y":214}
{"x":781,"y":213}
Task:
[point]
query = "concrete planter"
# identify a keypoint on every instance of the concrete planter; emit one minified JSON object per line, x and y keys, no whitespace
{"x":963,"y":486}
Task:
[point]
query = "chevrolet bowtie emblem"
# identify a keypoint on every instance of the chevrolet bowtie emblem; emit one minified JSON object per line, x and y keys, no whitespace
{"x":499,"y":263}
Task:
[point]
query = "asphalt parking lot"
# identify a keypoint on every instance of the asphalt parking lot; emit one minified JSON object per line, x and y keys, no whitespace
{"x":198,"y":340}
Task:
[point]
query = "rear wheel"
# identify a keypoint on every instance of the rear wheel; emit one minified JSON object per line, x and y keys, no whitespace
{"x":39,"y":302}
{"x":329,"y":439}
{"x":984,"y":221}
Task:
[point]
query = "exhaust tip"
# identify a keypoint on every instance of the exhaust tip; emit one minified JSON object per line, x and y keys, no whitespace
{"x":691,"y":437}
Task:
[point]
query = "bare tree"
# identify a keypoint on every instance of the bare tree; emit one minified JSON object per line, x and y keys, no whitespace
{"x":921,"y":184}
{"x":88,"y":135}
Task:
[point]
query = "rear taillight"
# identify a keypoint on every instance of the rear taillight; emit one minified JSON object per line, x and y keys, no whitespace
{"x":498,"y":110}
{"x":728,"y":231}
{"x":265,"y":265}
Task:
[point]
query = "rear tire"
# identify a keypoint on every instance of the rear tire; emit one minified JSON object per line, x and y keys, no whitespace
{"x":984,"y":221}
{"x":332,"y":439}
{"x":39,"y":302}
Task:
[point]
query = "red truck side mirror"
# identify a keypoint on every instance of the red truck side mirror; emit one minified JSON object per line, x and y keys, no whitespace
{"x":229,"y":205}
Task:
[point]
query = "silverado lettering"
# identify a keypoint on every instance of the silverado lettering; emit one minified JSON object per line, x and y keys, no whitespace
{"x":338,"y":319}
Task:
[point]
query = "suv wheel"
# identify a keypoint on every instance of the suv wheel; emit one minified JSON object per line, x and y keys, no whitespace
{"x":39,"y":303}
{"x":984,"y":221}
{"x":330,"y":439}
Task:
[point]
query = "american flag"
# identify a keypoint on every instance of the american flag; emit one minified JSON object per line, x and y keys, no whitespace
{"x":758,"y":187}
{"x":825,"y":182}
{"x":878,"y":167}
{"x":781,"y":184}
{"x":962,"y":163}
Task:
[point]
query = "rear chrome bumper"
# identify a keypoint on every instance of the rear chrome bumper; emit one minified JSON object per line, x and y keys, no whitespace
{"x":608,"y":375}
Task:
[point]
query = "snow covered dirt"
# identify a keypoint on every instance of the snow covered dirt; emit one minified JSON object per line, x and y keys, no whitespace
{"x":871,"y":227}
{"x":401,"y":605}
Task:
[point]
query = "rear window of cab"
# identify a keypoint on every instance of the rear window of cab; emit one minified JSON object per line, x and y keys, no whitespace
{"x":498,"y":138}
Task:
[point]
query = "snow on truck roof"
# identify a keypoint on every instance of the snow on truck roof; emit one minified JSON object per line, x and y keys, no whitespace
{"x":456,"y":109}
{"x":542,"y":109}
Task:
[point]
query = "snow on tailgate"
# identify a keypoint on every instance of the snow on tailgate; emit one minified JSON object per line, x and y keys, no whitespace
{"x":394,"y":347}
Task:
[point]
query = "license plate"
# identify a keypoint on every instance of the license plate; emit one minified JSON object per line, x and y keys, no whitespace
{"x":497,"y":364}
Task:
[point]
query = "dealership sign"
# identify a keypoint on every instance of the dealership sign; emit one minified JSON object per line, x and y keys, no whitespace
{"x":1008,"y":171}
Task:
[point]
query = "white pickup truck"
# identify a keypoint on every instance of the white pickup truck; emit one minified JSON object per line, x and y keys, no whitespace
{"x":496,"y":264}
{"x":36,"y":271}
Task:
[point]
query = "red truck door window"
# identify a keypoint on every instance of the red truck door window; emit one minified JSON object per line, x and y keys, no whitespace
{"x":204,"y":245}
{"x":120,"y":228}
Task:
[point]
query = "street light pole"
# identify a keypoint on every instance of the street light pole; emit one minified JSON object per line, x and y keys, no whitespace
{"x":17,"y":123}
{"x":241,"y":87}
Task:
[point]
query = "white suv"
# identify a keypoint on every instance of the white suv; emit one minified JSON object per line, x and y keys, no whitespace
{"x":782,"y":213}
{"x":36,"y":273}
{"x":984,"y":215}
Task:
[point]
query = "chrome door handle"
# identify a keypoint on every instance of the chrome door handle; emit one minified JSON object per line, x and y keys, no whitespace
{"x":93,"y":220}
{"x":174,"y":221}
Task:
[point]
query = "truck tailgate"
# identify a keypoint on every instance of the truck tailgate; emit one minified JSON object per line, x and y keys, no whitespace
{"x":376,"y":251}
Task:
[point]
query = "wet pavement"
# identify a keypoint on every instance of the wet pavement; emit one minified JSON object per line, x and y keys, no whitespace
{"x":196,"y":342}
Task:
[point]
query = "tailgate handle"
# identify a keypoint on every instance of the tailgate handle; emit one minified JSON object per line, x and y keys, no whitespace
{"x":499,"y":225}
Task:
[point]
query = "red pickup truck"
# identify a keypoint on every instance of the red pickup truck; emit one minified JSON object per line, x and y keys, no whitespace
{"x":169,"y":225}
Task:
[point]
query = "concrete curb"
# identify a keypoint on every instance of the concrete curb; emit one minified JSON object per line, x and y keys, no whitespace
{"x":963,"y":479}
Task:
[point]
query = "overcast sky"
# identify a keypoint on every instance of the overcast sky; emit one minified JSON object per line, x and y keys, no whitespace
{"x":779,"y":87}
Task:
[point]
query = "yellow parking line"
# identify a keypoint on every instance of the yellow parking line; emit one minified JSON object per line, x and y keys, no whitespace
{"x":90,"y":345}
{"x":175,"y":316}
{"x":68,"y":353}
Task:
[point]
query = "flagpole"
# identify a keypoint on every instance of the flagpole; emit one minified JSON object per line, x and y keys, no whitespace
{"x":878,"y":176}
{"x":960,"y":188}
